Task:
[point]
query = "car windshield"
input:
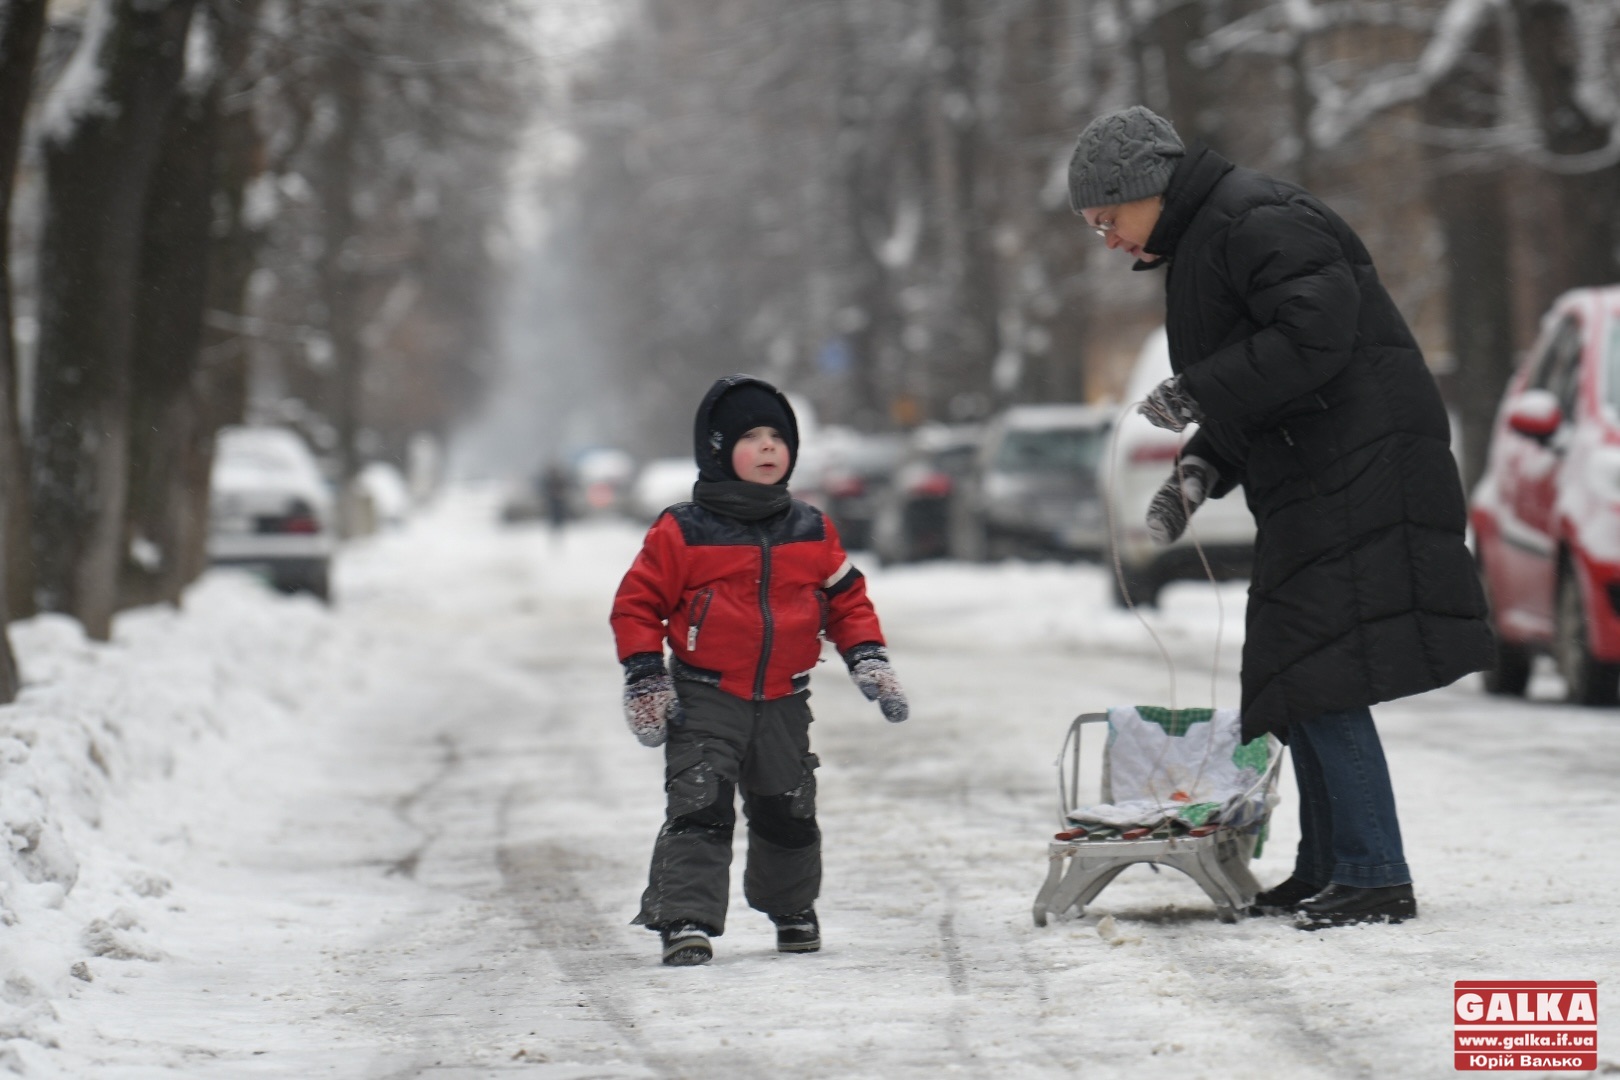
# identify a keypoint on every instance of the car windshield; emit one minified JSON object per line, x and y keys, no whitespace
{"x":263,"y":458}
{"x":873,"y":457}
{"x":1051,"y":450}
{"x":253,"y":457}
{"x":1611,"y":367}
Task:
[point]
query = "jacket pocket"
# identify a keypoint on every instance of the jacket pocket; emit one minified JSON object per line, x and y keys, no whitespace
{"x":802,"y":799}
{"x":824,"y":605}
{"x":695,"y":614}
{"x":690,"y":781}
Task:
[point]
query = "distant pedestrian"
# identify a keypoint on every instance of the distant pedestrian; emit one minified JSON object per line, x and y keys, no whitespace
{"x":555,"y":490}
{"x":1310,"y":391}
{"x":742,"y":583}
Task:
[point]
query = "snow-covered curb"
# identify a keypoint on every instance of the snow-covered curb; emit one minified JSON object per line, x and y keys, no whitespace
{"x":93,"y":772}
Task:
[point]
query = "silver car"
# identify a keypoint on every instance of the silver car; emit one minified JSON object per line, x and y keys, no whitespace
{"x":1034,"y":489}
{"x":270,"y":509}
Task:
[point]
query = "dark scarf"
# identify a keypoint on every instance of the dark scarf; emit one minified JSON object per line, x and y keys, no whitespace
{"x":740,"y":499}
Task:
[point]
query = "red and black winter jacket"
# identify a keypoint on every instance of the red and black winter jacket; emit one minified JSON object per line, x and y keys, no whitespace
{"x":743,"y":604}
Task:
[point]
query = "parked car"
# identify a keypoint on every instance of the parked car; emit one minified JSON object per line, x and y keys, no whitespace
{"x":1033,"y":489}
{"x":1137,"y":465}
{"x":913,"y":519}
{"x":601,"y":478}
{"x":661,"y":483}
{"x":270,"y":509}
{"x":386,"y":494}
{"x":1546,"y":512}
{"x":848,"y":477}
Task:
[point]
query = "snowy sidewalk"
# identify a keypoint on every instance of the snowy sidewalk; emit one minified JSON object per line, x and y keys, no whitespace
{"x":405,"y":837}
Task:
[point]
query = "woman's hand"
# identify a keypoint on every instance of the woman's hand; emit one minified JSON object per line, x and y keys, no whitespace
{"x":1174,"y":503}
{"x":1168,"y":405}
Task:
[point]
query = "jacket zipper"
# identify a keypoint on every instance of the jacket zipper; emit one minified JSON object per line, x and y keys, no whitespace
{"x":826,"y":610}
{"x":765,"y":612}
{"x":696,"y":615}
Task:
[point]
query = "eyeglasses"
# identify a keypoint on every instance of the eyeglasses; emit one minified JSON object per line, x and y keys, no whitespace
{"x":1103,"y":228}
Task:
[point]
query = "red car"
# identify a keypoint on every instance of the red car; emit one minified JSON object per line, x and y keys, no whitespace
{"x":1546,"y":514}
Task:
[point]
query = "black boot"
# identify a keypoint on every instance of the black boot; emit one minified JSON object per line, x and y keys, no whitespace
{"x":1283,"y":899}
{"x":686,"y":944}
{"x":1344,"y":905}
{"x":798,"y":933}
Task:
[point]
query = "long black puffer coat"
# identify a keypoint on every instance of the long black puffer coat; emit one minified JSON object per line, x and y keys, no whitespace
{"x":1318,"y":402}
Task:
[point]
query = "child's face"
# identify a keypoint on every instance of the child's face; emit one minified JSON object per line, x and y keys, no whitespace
{"x":760,"y":456}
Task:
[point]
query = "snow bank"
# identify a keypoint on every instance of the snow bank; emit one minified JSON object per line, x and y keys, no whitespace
{"x":88,"y":758}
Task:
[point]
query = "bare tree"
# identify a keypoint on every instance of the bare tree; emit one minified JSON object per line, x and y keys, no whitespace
{"x":22,"y":23}
{"x":1569,"y":53}
{"x":103,"y":139}
{"x":1468,"y":194}
{"x":163,"y":523}
{"x":389,"y":132}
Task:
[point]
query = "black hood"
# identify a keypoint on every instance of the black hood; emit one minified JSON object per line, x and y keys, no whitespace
{"x":705,"y":450}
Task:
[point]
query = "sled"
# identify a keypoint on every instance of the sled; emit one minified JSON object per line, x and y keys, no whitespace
{"x":1177,"y":788}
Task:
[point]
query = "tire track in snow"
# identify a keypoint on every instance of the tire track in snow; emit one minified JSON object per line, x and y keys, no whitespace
{"x":546,"y":881}
{"x":956,"y":972}
{"x":405,"y":806}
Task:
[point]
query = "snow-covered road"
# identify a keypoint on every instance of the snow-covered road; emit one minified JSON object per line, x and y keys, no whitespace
{"x":416,"y":850}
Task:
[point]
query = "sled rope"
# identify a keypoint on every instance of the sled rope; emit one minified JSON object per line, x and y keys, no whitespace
{"x":1203,"y":560}
{"x":1124,"y":590}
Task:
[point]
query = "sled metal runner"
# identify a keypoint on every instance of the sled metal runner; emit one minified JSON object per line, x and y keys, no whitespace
{"x":1216,"y":856}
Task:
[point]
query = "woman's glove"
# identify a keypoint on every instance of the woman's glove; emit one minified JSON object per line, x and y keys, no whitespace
{"x":650,"y":704}
{"x":1168,"y":405}
{"x":869,"y":667}
{"x":1183,"y":493}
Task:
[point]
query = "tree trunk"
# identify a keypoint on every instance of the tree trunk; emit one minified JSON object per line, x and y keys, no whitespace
{"x":865,"y":284}
{"x":220,"y":383}
{"x":1052,"y":243}
{"x":165,"y":421}
{"x":339,"y":268}
{"x":971,"y":308}
{"x":22,"y":23}
{"x":1469,"y":202}
{"x":1590,"y":200}
{"x":98,"y":164}
{"x":1171,"y":83}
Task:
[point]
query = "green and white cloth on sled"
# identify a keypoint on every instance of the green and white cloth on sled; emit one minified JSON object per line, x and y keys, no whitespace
{"x":1182,"y":764}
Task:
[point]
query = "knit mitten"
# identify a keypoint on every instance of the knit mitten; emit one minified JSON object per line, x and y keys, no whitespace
{"x":1174,"y":503}
{"x":869,"y":667}
{"x":1168,"y":405}
{"x":650,"y":704}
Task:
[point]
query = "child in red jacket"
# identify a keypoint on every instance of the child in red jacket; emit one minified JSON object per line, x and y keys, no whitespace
{"x":743,"y":582}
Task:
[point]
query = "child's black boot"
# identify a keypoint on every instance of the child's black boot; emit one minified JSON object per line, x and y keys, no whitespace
{"x":686,"y":944}
{"x":800,"y":932}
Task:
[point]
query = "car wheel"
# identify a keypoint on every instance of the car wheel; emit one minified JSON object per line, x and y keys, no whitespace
{"x":970,"y":540}
{"x":1000,"y":546}
{"x":1143,"y":584}
{"x":319,"y":583}
{"x":1590,"y":681}
{"x":1509,"y":673}
{"x":314,"y":579}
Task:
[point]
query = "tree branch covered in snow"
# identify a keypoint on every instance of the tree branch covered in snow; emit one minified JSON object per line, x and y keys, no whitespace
{"x":1346,"y":96}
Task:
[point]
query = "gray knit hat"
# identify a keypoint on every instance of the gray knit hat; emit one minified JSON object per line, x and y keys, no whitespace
{"x":1123,"y":156}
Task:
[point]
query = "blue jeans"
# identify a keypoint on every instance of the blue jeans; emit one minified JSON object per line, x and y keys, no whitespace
{"x":1348,"y":831}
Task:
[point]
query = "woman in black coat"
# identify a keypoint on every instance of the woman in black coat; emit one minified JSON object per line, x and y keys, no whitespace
{"x":1310,"y":391}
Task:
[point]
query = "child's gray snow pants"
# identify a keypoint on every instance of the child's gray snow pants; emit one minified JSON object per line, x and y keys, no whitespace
{"x":727,"y":742}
